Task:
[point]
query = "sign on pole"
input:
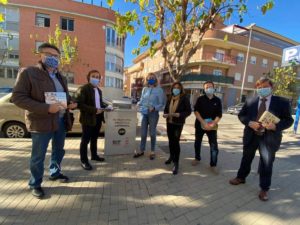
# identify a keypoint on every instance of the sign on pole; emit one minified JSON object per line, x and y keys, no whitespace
{"x":291,"y":55}
{"x":297,"y":117}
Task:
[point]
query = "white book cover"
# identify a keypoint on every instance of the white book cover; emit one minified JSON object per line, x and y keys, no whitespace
{"x":268,"y":117}
{"x":56,"y":97}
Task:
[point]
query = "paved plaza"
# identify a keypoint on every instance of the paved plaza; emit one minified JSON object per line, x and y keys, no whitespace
{"x":130,"y":191}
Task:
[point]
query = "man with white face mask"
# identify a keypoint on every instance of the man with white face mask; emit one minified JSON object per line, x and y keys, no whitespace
{"x":265,"y":137}
{"x":44,"y":120}
{"x":208,"y":112}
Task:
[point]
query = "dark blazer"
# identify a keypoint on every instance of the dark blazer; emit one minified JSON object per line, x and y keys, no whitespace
{"x":87,"y":106}
{"x":183,"y":108}
{"x":280,"y":107}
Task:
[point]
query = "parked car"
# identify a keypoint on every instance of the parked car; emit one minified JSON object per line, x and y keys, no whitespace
{"x":12,"y":118}
{"x":5,"y":90}
{"x":235,"y":109}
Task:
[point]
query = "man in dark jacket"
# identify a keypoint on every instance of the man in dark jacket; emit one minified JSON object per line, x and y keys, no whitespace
{"x":208,"y":112}
{"x":44,"y":119}
{"x":91,"y":117}
{"x":265,"y":137}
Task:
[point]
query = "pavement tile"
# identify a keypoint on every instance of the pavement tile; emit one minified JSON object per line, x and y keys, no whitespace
{"x":124,"y":190}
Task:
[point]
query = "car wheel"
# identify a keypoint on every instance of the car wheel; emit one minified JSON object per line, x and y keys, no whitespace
{"x":15,"y":130}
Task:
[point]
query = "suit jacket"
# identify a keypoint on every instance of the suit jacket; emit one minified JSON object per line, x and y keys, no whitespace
{"x":87,"y":106}
{"x":280,"y":107}
{"x":29,"y":94}
{"x":183,"y":108}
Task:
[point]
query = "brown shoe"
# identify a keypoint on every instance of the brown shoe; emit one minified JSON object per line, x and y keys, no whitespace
{"x":195,"y":162}
{"x":152,"y":156}
{"x":263,"y":196}
{"x":237,"y":181}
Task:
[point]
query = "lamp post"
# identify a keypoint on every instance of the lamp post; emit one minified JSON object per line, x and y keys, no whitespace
{"x":246,"y":63}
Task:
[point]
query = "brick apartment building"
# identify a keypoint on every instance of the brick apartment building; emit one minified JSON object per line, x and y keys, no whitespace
{"x":29,"y":22}
{"x":220,"y":61}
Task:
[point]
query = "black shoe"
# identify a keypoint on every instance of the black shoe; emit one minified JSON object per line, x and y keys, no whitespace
{"x":139,"y":154}
{"x":175,"y":168}
{"x":86,"y":166}
{"x":61,"y":178}
{"x":169,"y":161}
{"x":99,"y":159}
{"x":37,"y":192}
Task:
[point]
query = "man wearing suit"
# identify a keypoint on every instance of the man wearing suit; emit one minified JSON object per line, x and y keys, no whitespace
{"x":91,"y":108}
{"x":265,"y":137}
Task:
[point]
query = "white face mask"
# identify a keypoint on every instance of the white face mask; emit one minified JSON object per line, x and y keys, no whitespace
{"x":210,"y":91}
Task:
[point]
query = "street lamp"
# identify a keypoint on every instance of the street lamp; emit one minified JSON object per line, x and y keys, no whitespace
{"x":246,"y":63}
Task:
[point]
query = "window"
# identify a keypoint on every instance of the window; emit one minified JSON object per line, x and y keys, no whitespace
{"x":264,"y":63}
{"x":112,"y":39}
{"x":253,"y":60}
{"x":237,"y":76}
{"x":114,"y":63}
{"x":275,"y":64}
{"x":42,"y":20}
{"x":12,"y":73}
{"x":13,"y":56}
{"x":67,"y":24}
{"x":13,"y":26}
{"x":113,"y":82}
{"x":217,"y":72}
{"x":219,"y":55}
{"x":2,"y":72}
{"x":250,"y":78}
{"x":37,"y":45}
{"x":240,"y":57}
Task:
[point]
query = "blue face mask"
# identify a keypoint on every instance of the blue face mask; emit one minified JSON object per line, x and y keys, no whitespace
{"x":264,"y":92}
{"x":151,"y":81}
{"x":94,"y":81}
{"x":176,"y":91}
{"x":51,"y":62}
{"x":209,"y":91}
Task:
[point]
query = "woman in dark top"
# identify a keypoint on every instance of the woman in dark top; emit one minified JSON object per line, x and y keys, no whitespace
{"x":91,"y":108}
{"x":177,"y":109}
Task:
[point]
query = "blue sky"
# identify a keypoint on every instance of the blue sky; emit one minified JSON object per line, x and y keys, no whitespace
{"x":282,"y":19}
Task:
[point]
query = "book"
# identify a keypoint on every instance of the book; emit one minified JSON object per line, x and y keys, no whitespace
{"x":210,"y":123}
{"x":56,"y":97}
{"x":268,"y":117}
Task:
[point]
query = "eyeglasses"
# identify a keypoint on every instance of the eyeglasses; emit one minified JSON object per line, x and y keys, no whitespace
{"x":95,"y":76}
{"x":50,"y":54}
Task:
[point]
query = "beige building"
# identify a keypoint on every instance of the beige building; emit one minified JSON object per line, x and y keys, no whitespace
{"x":223,"y":62}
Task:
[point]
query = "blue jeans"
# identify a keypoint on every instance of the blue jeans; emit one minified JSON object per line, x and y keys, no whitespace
{"x":40,"y":143}
{"x":213,"y":144}
{"x":150,"y":119}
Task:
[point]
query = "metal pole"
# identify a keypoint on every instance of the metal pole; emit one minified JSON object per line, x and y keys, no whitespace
{"x":246,"y":63}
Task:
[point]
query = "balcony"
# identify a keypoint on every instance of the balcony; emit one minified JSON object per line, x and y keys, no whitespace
{"x":190,"y":77}
{"x":219,"y":59}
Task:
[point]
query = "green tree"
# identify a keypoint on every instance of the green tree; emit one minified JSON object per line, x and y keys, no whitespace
{"x":4,"y":48}
{"x":284,"y":79}
{"x":170,"y":25}
{"x":68,"y":46}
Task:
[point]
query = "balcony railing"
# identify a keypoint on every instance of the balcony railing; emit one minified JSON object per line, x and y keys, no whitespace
{"x":219,"y":57}
{"x":206,"y":77}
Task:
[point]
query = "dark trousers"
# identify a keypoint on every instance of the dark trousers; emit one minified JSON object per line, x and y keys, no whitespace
{"x":212,"y":140}
{"x":267,"y":157}
{"x":90,"y":135}
{"x":174,"y":132}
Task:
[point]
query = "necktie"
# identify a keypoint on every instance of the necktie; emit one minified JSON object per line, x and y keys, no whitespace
{"x":262,"y":108}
